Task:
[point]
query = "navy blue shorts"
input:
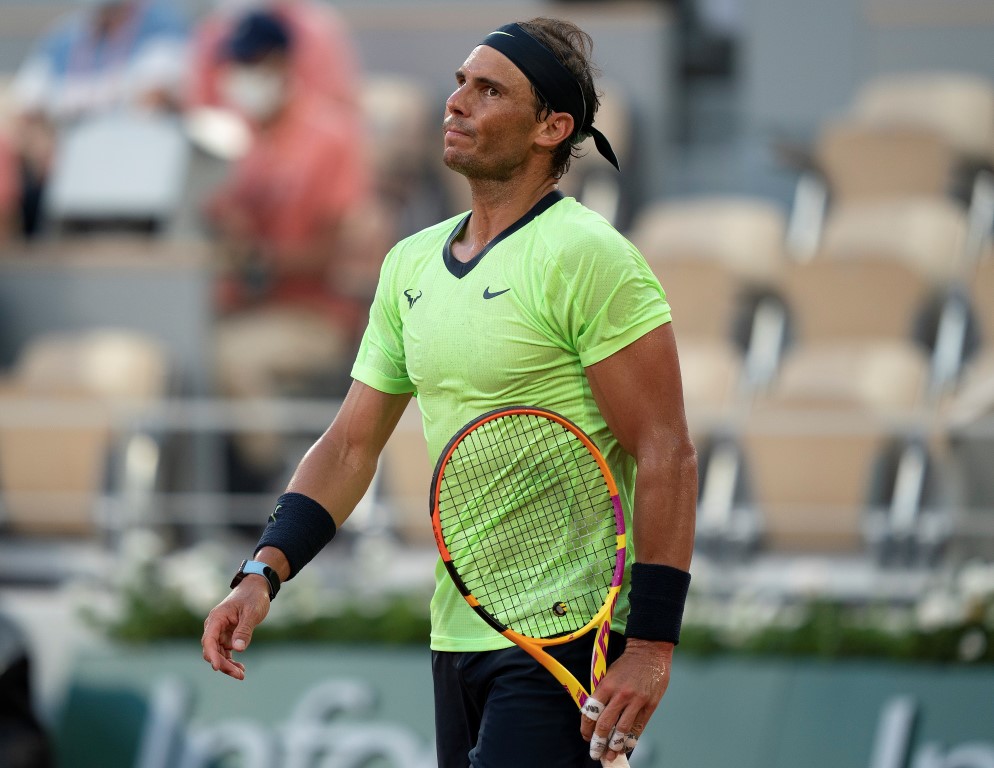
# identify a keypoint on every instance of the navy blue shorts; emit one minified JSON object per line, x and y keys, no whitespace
{"x":498,"y":709}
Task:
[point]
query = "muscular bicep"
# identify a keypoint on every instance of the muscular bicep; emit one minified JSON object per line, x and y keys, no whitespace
{"x":640,"y":393}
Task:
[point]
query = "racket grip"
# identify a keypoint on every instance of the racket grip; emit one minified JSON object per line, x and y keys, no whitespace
{"x":621,"y":761}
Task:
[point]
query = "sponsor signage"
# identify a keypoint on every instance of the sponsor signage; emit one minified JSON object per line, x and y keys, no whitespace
{"x":311,"y":707}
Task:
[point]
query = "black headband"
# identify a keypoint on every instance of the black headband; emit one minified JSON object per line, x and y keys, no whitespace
{"x":555,"y":83}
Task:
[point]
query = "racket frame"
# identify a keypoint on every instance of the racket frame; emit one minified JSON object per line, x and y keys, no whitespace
{"x":601,"y":620}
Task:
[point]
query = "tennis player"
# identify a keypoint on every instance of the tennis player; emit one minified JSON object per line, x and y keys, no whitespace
{"x":529,"y":298}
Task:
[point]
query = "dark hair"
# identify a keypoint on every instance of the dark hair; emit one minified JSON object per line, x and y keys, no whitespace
{"x":255,"y":35}
{"x":573,"y":47}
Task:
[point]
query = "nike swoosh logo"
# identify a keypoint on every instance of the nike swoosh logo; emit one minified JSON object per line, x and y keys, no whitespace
{"x":488,"y":295}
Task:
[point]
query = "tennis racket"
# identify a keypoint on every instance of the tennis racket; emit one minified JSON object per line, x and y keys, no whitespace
{"x":529,"y":525}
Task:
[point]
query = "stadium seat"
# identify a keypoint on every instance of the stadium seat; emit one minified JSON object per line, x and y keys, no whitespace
{"x":745,"y":235}
{"x":958,"y":106}
{"x":928,"y":234}
{"x":404,"y":143}
{"x":712,"y":372}
{"x":119,"y":168}
{"x":720,"y":261}
{"x":715,"y":395}
{"x":703,"y":297}
{"x":855,"y":161}
{"x":853,"y":299}
{"x":403,"y":479}
{"x":969,"y":424}
{"x":982,"y":298}
{"x":53,"y":465}
{"x":870,"y":162}
{"x":811,"y":442}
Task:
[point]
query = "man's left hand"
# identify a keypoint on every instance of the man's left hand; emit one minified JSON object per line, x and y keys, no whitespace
{"x":630,"y":692}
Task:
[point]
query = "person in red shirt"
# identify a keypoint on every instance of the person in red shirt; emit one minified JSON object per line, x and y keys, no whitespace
{"x":10,"y":189}
{"x":297,"y":227}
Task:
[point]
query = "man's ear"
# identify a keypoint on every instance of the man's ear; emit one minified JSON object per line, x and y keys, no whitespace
{"x":555,"y":128}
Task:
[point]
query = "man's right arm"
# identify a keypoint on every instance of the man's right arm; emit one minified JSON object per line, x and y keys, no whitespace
{"x":336,"y":473}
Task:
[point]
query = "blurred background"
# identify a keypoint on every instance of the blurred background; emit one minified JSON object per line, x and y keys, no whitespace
{"x":195,"y":200}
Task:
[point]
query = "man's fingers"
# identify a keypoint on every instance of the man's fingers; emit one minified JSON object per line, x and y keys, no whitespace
{"x":597,"y":746}
{"x":241,"y":638}
{"x":616,"y":741}
{"x":592,"y":708}
{"x":613,"y":736}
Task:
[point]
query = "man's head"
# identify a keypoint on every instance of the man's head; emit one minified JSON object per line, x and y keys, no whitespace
{"x":257,"y":54}
{"x":553,"y":57}
{"x":572,"y":47}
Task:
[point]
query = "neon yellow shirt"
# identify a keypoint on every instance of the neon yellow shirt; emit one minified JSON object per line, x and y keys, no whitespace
{"x":557,"y":291}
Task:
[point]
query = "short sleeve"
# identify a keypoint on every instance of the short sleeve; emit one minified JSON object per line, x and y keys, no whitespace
{"x":380,"y":361}
{"x":609,"y":295}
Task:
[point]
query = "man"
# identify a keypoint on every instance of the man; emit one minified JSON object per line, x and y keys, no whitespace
{"x":530,"y":298}
{"x":293,"y":225}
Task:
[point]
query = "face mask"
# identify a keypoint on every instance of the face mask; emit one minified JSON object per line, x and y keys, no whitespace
{"x":255,"y":92}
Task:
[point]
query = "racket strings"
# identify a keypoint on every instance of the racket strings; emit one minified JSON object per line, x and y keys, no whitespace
{"x":529,"y":522}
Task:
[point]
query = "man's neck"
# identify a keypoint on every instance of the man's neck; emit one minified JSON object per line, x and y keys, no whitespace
{"x":496,"y":206}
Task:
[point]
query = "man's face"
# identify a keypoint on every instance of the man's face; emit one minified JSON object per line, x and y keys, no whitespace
{"x":259,"y":89}
{"x":490,"y":122}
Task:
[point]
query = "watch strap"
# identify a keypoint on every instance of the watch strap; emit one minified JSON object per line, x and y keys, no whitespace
{"x":261,"y":569}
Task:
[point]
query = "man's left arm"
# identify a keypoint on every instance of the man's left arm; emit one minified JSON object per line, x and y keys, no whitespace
{"x":640,"y":395}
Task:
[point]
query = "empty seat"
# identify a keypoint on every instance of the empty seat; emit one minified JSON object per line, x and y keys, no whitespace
{"x":720,"y":260}
{"x":53,"y":464}
{"x":811,"y":443}
{"x":864,"y":162}
{"x":958,"y":106}
{"x":712,"y":373}
{"x":120,"y":167}
{"x":981,"y":287}
{"x":703,"y":296}
{"x":928,"y":234}
{"x":745,"y":235}
{"x":854,"y":299}
{"x":403,"y":481}
{"x":970,"y":428}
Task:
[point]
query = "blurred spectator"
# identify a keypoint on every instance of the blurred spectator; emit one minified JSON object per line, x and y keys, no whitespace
{"x":297,"y":229}
{"x":109,"y":54}
{"x":10,"y":189}
{"x":324,"y":60}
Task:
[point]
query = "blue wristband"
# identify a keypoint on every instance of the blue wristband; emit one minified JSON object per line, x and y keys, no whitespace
{"x":300,"y":528}
{"x":657,"y":598}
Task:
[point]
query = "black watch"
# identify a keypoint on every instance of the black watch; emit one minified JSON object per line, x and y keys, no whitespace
{"x":254,"y":566}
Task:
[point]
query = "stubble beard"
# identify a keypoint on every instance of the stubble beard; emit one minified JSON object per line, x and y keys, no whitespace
{"x":476,"y":170}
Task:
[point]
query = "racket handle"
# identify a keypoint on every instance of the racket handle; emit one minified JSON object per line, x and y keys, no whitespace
{"x":619,"y":762}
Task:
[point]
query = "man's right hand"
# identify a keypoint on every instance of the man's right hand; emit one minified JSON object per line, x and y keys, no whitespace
{"x":229,"y":625}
